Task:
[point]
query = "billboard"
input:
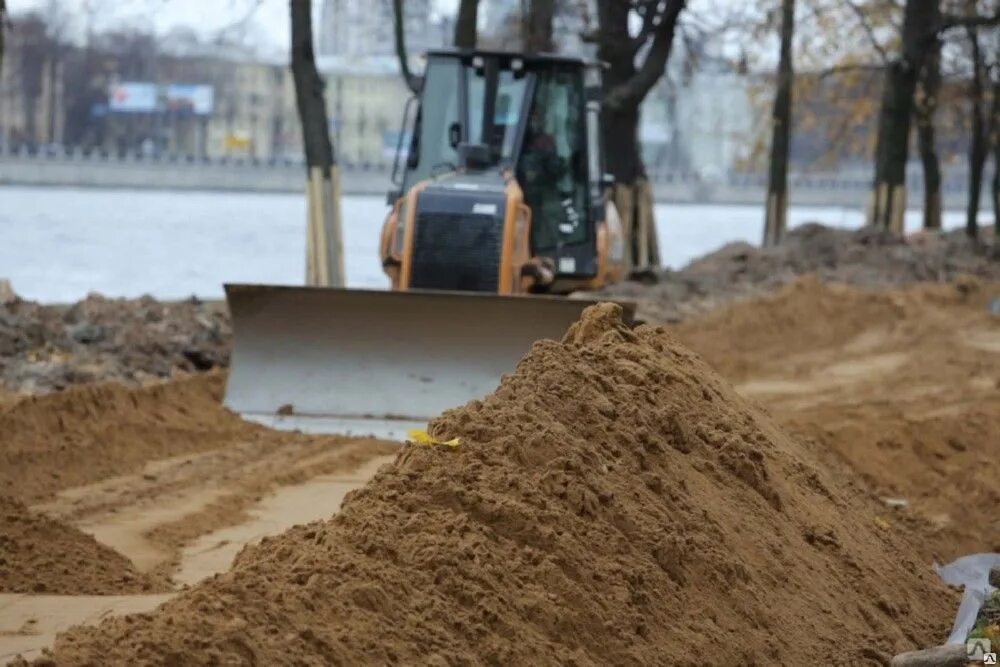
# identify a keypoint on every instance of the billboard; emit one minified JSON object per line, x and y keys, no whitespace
{"x":132,"y":97}
{"x":143,"y":97}
{"x":191,"y":98}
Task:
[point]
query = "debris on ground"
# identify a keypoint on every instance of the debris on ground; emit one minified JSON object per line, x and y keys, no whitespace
{"x":46,"y":348}
{"x":614,"y":501}
{"x":865,"y":257}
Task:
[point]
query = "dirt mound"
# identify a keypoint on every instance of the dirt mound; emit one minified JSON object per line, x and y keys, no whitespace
{"x":92,"y":432}
{"x":902,"y":385}
{"x":613,"y":502}
{"x":41,"y":555}
{"x":45,"y":348}
{"x":865,"y":257}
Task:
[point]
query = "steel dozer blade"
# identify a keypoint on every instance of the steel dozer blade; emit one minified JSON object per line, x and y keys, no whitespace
{"x":369,"y":362}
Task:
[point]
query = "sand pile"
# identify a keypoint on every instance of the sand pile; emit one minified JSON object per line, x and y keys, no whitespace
{"x":92,"y":432}
{"x":41,"y":555}
{"x":865,"y":257}
{"x":613,"y":502}
{"x":45,"y":348}
{"x":903,"y":385}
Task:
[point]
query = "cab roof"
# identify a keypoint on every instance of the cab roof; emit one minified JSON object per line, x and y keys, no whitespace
{"x":532,"y":58}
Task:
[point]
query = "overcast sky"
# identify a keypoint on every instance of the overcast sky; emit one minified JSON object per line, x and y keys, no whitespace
{"x":270,"y":20}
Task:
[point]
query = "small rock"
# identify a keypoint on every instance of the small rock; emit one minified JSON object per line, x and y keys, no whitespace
{"x":896,"y":503}
{"x":86,"y":333}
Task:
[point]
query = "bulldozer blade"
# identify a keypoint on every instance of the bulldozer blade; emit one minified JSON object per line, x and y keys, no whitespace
{"x":371,"y":362}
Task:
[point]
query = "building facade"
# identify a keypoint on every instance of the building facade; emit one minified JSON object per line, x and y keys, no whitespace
{"x":352,"y":29}
{"x":365,"y":99}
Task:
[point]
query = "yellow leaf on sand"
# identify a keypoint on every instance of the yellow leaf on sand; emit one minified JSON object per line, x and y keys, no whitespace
{"x":424,"y":438}
{"x":881,"y":523}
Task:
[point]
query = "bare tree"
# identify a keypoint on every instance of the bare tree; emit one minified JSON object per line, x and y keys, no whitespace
{"x":776,"y":211}
{"x":925,"y":109}
{"x":978,"y":137}
{"x":465,"y":24}
{"x":3,"y":29}
{"x":324,"y":245}
{"x":635,"y":64}
{"x":995,"y":143}
{"x":923,"y":25}
{"x":413,"y":81}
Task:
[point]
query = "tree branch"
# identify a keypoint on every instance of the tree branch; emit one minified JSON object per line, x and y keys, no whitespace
{"x":648,"y":25}
{"x":869,"y":31}
{"x":949,"y":21}
{"x":856,"y":67}
{"x":413,"y":82}
{"x":638,"y":86}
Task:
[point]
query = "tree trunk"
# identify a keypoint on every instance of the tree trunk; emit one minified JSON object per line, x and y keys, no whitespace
{"x":53,"y":82}
{"x":777,"y":188}
{"x":413,"y":82}
{"x":626,"y":85}
{"x":465,"y":24}
{"x":995,"y":142}
{"x":324,"y":245}
{"x":925,"y":108}
{"x":888,"y":198}
{"x":3,"y":29}
{"x":537,"y":26}
{"x":977,"y":140}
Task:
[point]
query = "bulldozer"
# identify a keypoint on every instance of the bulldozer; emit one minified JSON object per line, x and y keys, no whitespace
{"x":499,"y":209}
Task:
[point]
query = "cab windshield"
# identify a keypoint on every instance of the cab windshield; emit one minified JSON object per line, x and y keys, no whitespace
{"x":455,"y":101}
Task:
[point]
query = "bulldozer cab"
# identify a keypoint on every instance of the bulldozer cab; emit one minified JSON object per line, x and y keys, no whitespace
{"x":535,"y":116}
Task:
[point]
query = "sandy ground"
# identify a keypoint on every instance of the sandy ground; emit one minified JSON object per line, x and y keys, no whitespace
{"x":148,"y":532}
{"x":897,"y":391}
{"x":174,"y":483}
{"x":900,"y":389}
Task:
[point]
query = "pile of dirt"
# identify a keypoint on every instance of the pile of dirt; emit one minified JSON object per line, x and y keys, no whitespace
{"x":866,"y":257}
{"x":41,"y":555}
{"x":901,"y":385}
{"x":93,"y":432}
{"x":45,"y":348}
{"x":613,"y":502}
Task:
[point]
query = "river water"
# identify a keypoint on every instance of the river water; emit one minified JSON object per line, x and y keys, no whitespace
{"x":58,"y":244}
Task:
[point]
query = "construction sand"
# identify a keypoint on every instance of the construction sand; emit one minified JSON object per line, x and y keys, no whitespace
{"x":567,"y":526}
{"x":134,"y":490}
{"x":614,"y":501}
{"x":147,"y":470}
{"x":41,"y":555}
{"x":898,"y":389}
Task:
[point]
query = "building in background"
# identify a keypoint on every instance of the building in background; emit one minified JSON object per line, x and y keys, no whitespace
{"x":31,"y":86}
{"x":365,"y":100}
{"x":353,"y":29}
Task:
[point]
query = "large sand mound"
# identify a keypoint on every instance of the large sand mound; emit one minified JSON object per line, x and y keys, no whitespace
{"x":613,"y":502}
{"x":41,"y":555}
